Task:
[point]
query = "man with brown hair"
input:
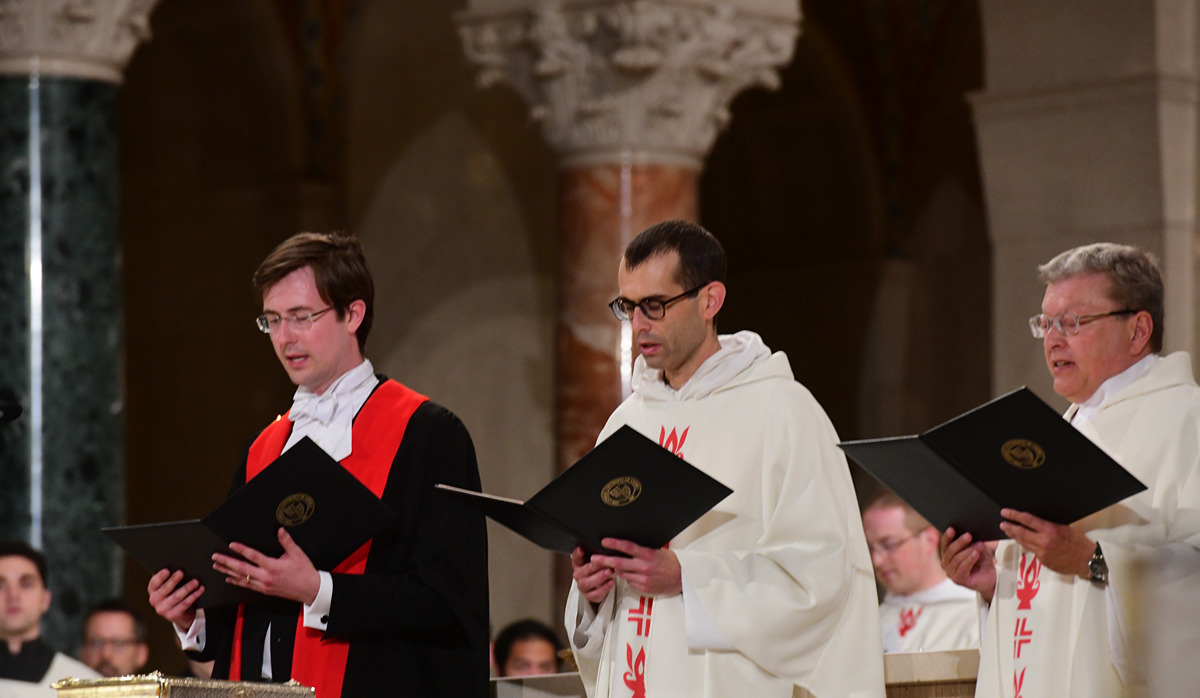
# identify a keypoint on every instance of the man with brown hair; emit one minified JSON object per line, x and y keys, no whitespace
{"x":921,"y":610}
{"x":27,"y":664}
{"x":770,"y":593}
{"x":409,"y":610}
{"x":114,"y":639}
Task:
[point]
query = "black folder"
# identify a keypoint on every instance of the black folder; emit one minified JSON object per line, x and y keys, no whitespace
{"x":626,"y":487}
{"x":324,"y":508}
{"x":183,"y":545}
{"x":1013,"y":452}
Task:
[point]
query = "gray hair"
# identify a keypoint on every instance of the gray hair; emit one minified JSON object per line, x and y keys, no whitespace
{"x":1134,"y":280}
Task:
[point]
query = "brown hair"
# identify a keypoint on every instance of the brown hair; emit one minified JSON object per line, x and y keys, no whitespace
{"x":701,"y":257}
{"x":339,"y":268}
{"x":913,"y":521}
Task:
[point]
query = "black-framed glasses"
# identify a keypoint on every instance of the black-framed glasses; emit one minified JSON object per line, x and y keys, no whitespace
{"x":652,"y":308}
{"x":299,"y":322}
{"x":1039,"y":325}
{"x":99,"y":643}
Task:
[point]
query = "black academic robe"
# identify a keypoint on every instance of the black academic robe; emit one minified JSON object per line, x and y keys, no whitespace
{"x":417,"y":619}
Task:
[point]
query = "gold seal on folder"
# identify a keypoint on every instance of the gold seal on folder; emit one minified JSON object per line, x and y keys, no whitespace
{"x":1023,"y":453}
{"x":621,"y":491}
{"x":295,"y":509}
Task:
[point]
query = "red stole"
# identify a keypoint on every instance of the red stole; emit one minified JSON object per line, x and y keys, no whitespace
{"x":379,"y":427}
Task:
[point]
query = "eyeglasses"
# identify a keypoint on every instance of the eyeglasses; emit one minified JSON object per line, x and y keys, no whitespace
{"x":299,"y":322}
{"x":99,"y":643}
{"x":1039,"y":325}
{"x":652,"y":308}
{"x":887,"y":546}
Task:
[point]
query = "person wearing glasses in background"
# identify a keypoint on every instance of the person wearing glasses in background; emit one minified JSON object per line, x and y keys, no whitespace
{"x":770,"y":594}
{"x":409,"y":610}
{"x":114,"y":639}
{"x":922,"y":610}
{"x":1109,"y":605}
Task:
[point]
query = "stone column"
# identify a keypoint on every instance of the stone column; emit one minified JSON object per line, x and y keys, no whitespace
{"x":631,"y":95}
{"x":1087,"y":132}
{"x":60,"y":290}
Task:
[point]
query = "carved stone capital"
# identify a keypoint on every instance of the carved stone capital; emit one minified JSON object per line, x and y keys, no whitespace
{"x":630,"y":80}
{"x":91,"y":39}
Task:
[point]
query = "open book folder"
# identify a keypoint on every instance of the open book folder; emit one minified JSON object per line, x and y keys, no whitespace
{"x":325,"y":509}
{"x":1013,"y":452}
{"x":626,"y":487}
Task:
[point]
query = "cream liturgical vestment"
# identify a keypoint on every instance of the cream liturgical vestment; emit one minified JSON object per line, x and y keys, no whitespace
{"x":779,"y":596}
{"x":943,"y":617}
{"x":1057,"y":636}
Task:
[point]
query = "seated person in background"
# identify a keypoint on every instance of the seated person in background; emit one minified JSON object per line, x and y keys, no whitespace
{"x":114,"y":639}
{"x":526,"y":648}
{"x":922,"y":609}
{"x":27,"y":664}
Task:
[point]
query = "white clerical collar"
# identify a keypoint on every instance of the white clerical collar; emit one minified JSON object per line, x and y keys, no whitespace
{"x":1090,"y":407}
{"x":327,"y":418}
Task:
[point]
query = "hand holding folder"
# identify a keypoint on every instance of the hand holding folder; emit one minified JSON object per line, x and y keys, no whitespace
{"x":1013,"y":452}
{"x":325,"y":509}
{"x":627,"y":487}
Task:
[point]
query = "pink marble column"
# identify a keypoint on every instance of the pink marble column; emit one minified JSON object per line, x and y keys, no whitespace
{"x":631,"y":96}
{"x":602,"y":207}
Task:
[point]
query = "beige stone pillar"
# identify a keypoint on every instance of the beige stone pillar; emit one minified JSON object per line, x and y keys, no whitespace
{"x":1087,"y":132}
{"x":631,"y":96}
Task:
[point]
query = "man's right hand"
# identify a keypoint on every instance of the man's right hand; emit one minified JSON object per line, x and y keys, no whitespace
{"x":172,"y":601}
{"x":594,"y":580}
{"x":969,"y":564}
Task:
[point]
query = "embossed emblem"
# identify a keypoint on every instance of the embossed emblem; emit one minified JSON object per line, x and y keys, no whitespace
{"x":295,"y":509}
{"x":621,"y":491}
{"x":1023,"y":453}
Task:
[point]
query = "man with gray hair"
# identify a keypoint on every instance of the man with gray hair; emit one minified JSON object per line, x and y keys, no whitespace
{"x":1109,"y":605}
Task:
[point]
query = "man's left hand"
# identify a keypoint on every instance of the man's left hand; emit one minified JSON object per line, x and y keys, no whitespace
{"x":649,"y":570}
{"x":1059,"y":548}
{"x":289,"y":576}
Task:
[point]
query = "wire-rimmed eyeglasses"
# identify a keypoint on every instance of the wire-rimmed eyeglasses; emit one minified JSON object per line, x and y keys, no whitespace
{"x":652,"y":308}
{"x":299,"y":322}
{"x":887,"y":546}
{"x":1039,"y":325}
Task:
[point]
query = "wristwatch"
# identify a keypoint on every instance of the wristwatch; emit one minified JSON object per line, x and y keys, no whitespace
{"x":1097,"y":567}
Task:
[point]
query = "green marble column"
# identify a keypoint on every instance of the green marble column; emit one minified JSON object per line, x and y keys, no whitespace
{"x":61,"y":462}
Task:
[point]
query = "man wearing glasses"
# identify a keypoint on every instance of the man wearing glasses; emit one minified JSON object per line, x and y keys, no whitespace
{"x":1109,"y":605}
{"x":922,"y":610}
{"x":114,"y":639}
{"x":770,"y":594}
{"x":407,"y":611}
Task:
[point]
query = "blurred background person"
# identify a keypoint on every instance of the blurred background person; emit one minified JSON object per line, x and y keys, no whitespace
{"x":526,"y":648}
{"x":114,"y":639}
{"x":27,"y":664}
{"x":921,"y":609}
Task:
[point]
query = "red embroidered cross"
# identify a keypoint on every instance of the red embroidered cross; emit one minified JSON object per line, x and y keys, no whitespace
{"x":673,"y":442}
{"x":642,"y":613}
{"x":908,"y":619}
{"x":1022,"y":635}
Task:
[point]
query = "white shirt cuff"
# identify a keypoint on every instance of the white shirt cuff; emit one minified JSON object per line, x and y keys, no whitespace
{"x":316,"y":616}
{"x":702,"y":632}
{"x":193,"y":639}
